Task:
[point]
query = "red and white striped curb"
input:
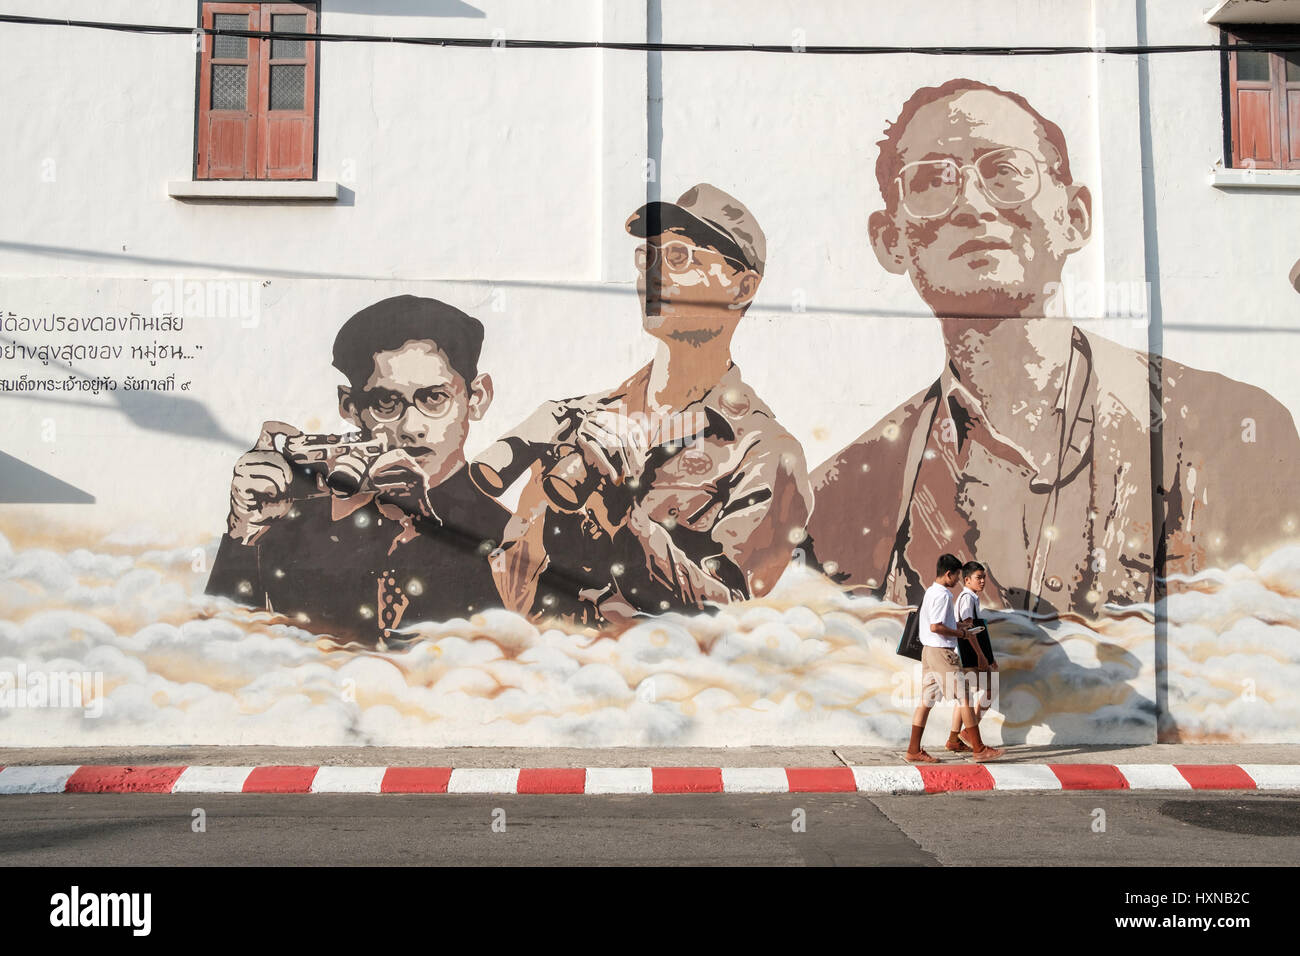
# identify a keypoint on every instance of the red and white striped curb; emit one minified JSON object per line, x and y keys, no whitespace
{"x":933,"y":778}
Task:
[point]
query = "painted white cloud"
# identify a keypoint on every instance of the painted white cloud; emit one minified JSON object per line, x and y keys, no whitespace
{"x":807,"y":664}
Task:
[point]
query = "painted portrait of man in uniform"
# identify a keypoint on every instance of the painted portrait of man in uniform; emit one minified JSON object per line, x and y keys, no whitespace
{"x":677,"y":489}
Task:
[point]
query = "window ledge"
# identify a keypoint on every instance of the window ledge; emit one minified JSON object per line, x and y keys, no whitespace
{"x":1254,"y":11}
{"x":270,"y":190}
{"x":1255,"y":178}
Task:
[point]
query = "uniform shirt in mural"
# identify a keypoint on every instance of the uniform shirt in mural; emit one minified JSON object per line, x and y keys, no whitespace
{"x":932,"y":477}
{"x":726,"y":505}
{"x":357,"y":567}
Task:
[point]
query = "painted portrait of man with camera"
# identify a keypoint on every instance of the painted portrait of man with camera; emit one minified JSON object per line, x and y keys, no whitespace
{"x":676,"y":490}
{"x":359,"y":534}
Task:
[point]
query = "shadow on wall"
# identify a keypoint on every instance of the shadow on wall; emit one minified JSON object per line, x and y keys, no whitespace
{"x":21,"y":483}
{"x":1056,"y":692}
{"x":408,"y":8}
{"x":173,"y":414}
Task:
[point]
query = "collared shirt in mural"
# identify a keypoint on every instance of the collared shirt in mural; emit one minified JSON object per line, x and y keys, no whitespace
{"x":359,"y":568}
{"x":1077,"y":533}
{"x":722,"y":509}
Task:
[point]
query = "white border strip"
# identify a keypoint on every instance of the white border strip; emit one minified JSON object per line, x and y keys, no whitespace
{"x":51,"y":779}
{"x":620,"y":780}
{"x":754,"y":780}
{"x":481,"y":780}
{"x":1273,"y":776}
{"x":1153,"y":776}
{"x":212,"y":780}
{"x":348,"y":779}
{"x":888,"y":780}
{"x":1025,"y":776}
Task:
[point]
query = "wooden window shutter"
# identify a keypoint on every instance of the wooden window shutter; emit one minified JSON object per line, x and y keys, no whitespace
{"x":287,"y":94}
{"x":228,"y":93}
{"x":1289,"y":67}
{"x":1253,"y":103}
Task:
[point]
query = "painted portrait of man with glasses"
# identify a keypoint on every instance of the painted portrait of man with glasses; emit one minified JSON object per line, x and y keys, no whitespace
{"x":1078,"y":471}
{"x":677,"y":489}
{"x":357,"y":535}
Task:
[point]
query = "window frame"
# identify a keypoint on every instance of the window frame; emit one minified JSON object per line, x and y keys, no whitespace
{"x":257,"y":167}
{"x":1284,"y":135}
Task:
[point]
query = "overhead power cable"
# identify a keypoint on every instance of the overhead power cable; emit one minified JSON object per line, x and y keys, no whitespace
{"x":505,"y":42}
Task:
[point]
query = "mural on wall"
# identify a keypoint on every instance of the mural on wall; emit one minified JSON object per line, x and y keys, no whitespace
{"x":676,"y":489}
{"x":670,"y":572}
{"x":1032,"y":452}
{"x":350,"y":534}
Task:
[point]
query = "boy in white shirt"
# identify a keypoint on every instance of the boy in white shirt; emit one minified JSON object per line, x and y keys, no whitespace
{"x":967,"y":610}
{"x":941,"y":670}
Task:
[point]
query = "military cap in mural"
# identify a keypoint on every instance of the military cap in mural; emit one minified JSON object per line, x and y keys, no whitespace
{"x":676,"y":489}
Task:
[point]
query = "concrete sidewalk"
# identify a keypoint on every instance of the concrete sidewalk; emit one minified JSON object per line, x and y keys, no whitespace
{"x":510,"y":757}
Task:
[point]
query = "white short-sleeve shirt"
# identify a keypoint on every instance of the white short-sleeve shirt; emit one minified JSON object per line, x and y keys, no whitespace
{"x":936,"y":608}
{"x":968,"y":605}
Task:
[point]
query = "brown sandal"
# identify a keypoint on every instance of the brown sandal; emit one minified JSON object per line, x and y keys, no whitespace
{"x":920,"y":757}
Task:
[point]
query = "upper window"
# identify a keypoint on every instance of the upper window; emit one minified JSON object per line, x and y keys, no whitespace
{"x":257,"y":97}
{"x":1264,"y":101}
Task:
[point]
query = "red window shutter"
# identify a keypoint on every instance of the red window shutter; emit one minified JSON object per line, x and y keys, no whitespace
{"x":1289,"y":66}
{"x":1255,"y":128}
{"x":1253,"y":102}
{"x":228,"y":91}
{"x":287,"y":95}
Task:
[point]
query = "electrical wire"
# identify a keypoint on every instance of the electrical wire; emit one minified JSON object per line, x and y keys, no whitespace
{"x":503,"y":42}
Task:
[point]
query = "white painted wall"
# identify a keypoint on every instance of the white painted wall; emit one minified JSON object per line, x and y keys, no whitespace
{"x":463,"y":163}
{"x":499,"y":180}
{"x":514,"y":170}
{"x":1224,"y":255}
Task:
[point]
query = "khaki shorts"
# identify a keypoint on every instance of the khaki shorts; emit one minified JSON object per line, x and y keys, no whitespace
{"x":942,"y":675}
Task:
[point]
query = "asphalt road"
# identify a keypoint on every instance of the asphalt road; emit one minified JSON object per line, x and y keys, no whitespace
{"x":1048,"y":829}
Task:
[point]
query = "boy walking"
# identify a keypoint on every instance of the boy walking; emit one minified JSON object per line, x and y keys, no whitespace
{"x":973,"y":578}
{"x":941,"y":670}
